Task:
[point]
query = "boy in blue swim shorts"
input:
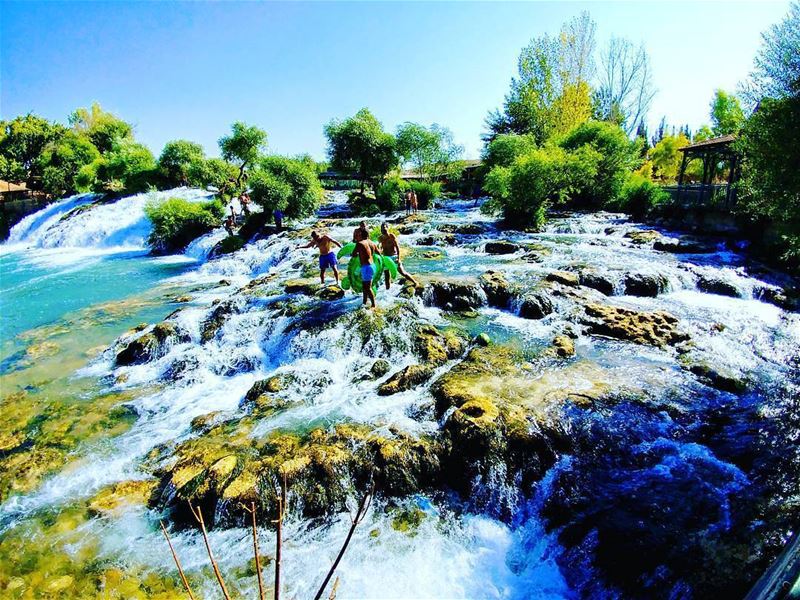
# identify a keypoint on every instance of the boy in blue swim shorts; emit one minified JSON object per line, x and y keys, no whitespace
{"x":327,"y":257}
{"x":365,"y":250}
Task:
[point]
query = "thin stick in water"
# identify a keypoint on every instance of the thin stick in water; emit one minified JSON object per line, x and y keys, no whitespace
{"x":177,"y":563}
{"x":198,"y":514}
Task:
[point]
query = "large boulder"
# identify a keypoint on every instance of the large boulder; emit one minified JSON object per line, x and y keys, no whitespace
{"x":437,"y":239}
{"x":656,"y":328}
{"x":536,"y":305}
{"x":643,"y":236}
{"x":306,"y":286}
{"x":717,"y":285}
{"x":496,"y":287}
{"x":454,"y":294}
{"x":214,"y":322}
{"x":597,"y":281}
{"x":645,"y":284}
{"x":500,"y":247}
{"x":462,"y":228}
{"x":406,"y":379}
{"x":150,"y":345}
{"x":436,"y":347}
{"x":563,"y":277}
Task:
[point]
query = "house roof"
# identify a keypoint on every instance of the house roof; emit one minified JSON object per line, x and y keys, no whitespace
{"x":722,"y":140}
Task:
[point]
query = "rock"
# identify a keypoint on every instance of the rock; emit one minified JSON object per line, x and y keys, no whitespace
{"x":682,"y":247}
{"x":149,"y":345}
{"x":432,"y":254}
{"x":597,"y":281}
{"x":645,"y":284}
{"x":482,"y":339}
{"x":657,"y":328}
{"x":717,"y":378}
{"x":643,"y":237}
{"x":271,"y":385}
{"x":786,"y":299}
{"x":309,"y":287}
{"x":379,"y":368}
{"x":330,"y":293}
{"x":462,"y":228}
{"x":183,"y":299}
{"x":217,"y":319}
{"x":500,"y":247}
{"x":454,"y":294}
{"x":114,"y":497}
{"x":227,"y":245}
{"x":203,"y":423}
{"x":536,"y":305}
{"x":438,"y":239}
{"x":435,"y":347}
{"x":716,"y":285}
{"x":406,"y":379}
{"x":563,"y":277}
{"x":496,"y":288}
{"x":563,"y":347}
{"x":410,"y":290}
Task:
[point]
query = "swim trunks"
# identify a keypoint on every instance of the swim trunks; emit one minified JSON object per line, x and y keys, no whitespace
{"x":367,"y":273}
{"x":327,"y":260}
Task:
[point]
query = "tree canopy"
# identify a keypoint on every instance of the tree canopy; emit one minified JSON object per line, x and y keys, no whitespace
{"x":431,"y":151}
{"x":727,"y":115}
{"x":243,"y":145}
{"x":176,"y":161}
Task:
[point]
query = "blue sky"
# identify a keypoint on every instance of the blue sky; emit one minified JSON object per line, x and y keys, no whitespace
{"x":188,"y":70}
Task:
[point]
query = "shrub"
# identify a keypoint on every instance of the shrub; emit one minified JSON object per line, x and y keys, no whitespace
{"x":427,"y":192}
{"x":506,"y":148}
{"x":229,"y":244}
{"x":129,"y":167}
{"x":176,"y":159}
{"x":285,"y":183}
{"x":638,"y":197}
{"x":61,"y":160}
{"x":216,"y":173}
{"x":389,"y":195}
{"x":524,"y":191}
{"x":177,"y":222}
{"x":618,"y":156}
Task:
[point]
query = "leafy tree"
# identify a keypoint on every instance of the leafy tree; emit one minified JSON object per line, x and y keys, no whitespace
{"x":666,"y":158}
{"x":389,"y":194}
{"x":287,"y":184}
{"x":703,"y":133}
{"x":639,"y":196}
{"x":22,"y":141}
{"x":430,"y":150}
{"x":128,"y":167}
{"x":177,"y":222}
{"x":618,"y":156}
{"x":626,"y":84}
{"x":727,"y":115}
{"x":101,"y":127}
{"x":504,"y":149}
{"x":359,"y":146}
{"x":61,"y":160}
{"x":243,"y":145}
{"x":776,"y":73}
{"x":176,"y":159}
{"x":214,"y":172}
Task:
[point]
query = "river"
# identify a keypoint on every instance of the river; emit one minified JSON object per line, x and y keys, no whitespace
{"x":652,"y":469}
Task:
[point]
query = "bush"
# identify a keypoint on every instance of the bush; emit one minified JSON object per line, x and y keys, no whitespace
{"x":506,"y":148}
{"x":176,"y":159}
{"x":638,"y":197}
{"x":389,"y":195}
{"x":287,"y":184}
{"x":229,"y":244}
{"x":61,"y":160}
{"x":524,"y":191}
{"x":129,"y":167}
{"x":618,"y":156}
{"x":177,"y":222}
{"x":216,"y":173}
{"x":427,"y":192}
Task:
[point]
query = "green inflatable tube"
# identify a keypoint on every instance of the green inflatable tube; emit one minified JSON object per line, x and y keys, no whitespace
{"x":353,"y":278}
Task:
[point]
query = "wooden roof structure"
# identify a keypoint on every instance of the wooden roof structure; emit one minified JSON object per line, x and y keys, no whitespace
{"x":715,"y":153}
{"x":711,"y":143}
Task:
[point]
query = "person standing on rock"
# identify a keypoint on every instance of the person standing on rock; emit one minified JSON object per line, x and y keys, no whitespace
{"x":365,"y":249}
{"x":362,"y":227}
{"x":390,"y":247}
{"x":408,"y":202}
{"x":414,"y":202}
{"x":327,"y":257}
{"x":277,"y":214}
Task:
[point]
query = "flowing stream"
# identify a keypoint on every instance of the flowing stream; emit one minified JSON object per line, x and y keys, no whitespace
{"x":675,"y":471}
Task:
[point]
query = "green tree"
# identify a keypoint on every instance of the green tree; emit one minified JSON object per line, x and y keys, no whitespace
{"x":22,"y":141}
{"x":176,"y":159}
{"x":101,"y":127}
{"x":214,"y":172}
{"x":727,"y":115}
{"x":177,"y":222}
{"x":666,"y":158}
{"x":61,"y":160}
{"x":702,"y":134}
{"x":359,"y":146}
{"x":243,"y":145}
{"x":431,"y":151}
{"x":287,"y":184}
{"x":504,"y":149}
{"x":129,"y":167}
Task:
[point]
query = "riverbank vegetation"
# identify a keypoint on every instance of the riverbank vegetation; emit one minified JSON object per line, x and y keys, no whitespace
{"x":177,"y":222}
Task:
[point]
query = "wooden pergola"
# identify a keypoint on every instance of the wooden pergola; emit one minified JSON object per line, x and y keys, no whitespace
{"x":712,"y":152}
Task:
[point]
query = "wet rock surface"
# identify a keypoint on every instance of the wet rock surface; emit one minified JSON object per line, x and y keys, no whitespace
{"x":657,"y":328}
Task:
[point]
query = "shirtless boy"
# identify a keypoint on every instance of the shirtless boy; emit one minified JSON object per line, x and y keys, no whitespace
{"x":365,"y":250}
{"x":327,"y":257}
{"x":391,"y":247}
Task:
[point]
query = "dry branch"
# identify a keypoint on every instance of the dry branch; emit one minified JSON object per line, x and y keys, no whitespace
{"x":177,"y":562}
{"x":198,"y":514}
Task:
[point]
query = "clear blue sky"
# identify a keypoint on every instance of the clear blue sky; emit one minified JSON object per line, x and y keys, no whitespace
{"x":187,"y":70}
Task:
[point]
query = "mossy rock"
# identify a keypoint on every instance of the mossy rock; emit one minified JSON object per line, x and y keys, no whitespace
{"x":150,"y":345}
{"x":563,"y":277}
{"x":309,"y":286}
{"x":406,"y":379}
{"x":115,"y":497}
{"x":658,"y":328}
{"x":436,"y":347}
{"x":407,"y":520}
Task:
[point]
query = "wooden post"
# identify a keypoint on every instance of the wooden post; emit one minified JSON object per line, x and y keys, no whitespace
{"x":680,"y":177}
{"x":731,"y":180}
{"x":703,"y":182}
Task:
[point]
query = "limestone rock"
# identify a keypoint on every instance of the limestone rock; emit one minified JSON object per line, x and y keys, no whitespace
{"x":331,"y":292}
{"x":563,"y":277}
{"x":563,"y":347}
{"x":500,"y":247}
{"x":717,"y":285}
{"x":536,"y":305}
{"x":644,"y":236}
{"x":309,"y":287}
{"x":496,"y":287}
{"x":406,"y":379}
{"x":645,"y":284}
{"x":657,"y":328}
{"x":436,"y":347}
{"x":149,"y":345}
{"x":454,"y":294}
{"x":597,"y":281}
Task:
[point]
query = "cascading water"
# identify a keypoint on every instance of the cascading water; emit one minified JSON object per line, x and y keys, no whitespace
{"x":651,"y":464}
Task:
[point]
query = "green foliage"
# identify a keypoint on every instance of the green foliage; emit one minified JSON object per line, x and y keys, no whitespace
{"x":359,"y":146}
{"x":102,"y":128}
{"x":537,"y":180}
{"x":702,"y":134}
{"x":128,"y":167}
{"x":389,"y":194}
{"x":176,"y":160}
{"x":229,"y":244}
{"x":22,"y":141}
{"x":287,"y":184}
{"x":727,"y":115}
{"x":639,"y":196}
{"x":427,"y":192}
{"x":61,"y":160}
{"x":666,"y":158}
{"x":214,"y":172}
{"x":177,"y":222}
{"x":430,"y":151}
{"x":618,"y":156}
{"x":243,"y":145}
{"x":770,"y":186}
{"x":504,"y":149}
